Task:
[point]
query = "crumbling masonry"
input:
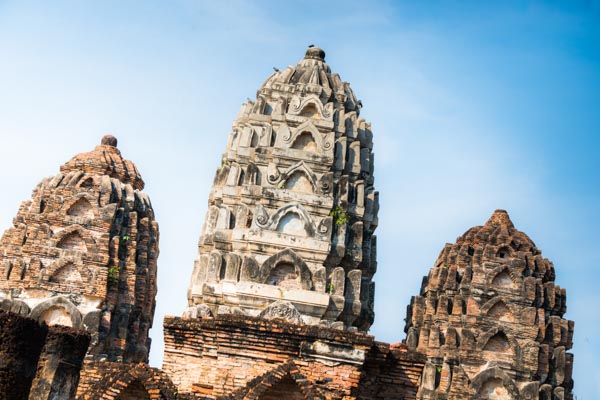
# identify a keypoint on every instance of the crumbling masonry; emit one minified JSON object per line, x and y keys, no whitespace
{"x":281,"y":292}
{"x":82,"y":253}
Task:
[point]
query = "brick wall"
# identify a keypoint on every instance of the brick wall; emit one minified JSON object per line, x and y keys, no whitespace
{"x":243,"y":357}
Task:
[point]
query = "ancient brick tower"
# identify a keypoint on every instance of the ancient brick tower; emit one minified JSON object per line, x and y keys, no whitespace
{"x":82,"y":253}
{"x":489,"y":319}
{"x":292,"y":211}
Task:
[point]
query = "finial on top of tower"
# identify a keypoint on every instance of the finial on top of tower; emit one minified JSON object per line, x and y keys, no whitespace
{"x":109,"y":140}
{"x":315,"y":53}
{"x":500,"y":217}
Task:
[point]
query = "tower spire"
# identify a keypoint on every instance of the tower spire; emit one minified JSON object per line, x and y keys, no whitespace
{"x":293,"y":209}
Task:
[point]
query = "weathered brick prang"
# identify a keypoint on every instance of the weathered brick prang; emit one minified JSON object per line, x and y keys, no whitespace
{"x":82,"y":253}
{"x":490,"y":320}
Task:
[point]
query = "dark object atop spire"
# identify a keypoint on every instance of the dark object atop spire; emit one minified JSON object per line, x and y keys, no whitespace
{"x":109,"y":140}
{"x":315,"y":53}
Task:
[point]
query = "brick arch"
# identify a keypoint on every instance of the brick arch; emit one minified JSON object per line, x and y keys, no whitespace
{"x":86,"y":182}
{"x":117,"y":379}
{"x":263,"y":220}
{"x":493,"y":303}
{"x":484,"y":339}
{"x":307,"y":127}
{"x":86,"y":274}
{"x":297,"y":209}
{"x":310,"y":110}
{"x":69,"y":207}
{"x":76,"y":229}
{"x":492,"y":374}
{"x":287,"y":256}
{"x":134,"y":391}
{"x":299,"y":106}
{"x":292,"y":182}
{"x":58,"y":302}
{"x":257,"y":387}
{"x":301,"y":167}
{"x":504,"y":252}
{"x":305,"y":142}
{"x":495,"y":274}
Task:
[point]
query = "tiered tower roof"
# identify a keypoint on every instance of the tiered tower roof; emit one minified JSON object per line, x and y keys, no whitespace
{"x":490,"y":319}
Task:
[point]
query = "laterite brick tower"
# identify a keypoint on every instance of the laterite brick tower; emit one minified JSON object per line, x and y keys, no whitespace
{"x":293,"y":208}
{"x":82,"y":253}
{"x":489,"y":319}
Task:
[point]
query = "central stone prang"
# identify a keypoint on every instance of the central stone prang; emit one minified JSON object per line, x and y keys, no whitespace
{"x":292,"y":210}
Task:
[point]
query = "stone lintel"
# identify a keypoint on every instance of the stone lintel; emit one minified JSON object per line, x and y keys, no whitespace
{"x":257,"y":296}
{"x":332,"y":353}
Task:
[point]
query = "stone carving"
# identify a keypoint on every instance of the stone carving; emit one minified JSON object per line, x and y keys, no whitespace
{"x":200,"y":311}
{"x":250,"y":269}
{"x":299,"y":164}
{"x":282,"y":310}
{"x":87,"y":243}
{"x":489,"y":319}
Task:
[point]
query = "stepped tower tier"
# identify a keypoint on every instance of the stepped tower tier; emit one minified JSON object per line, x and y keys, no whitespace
{"x":292,"y":211}
{"x":82,"y":253}
{"x":489,"y":318}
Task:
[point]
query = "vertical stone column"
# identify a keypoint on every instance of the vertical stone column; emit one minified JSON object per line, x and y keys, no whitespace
{"x":21,"y":341}
{"x":59,"y":364}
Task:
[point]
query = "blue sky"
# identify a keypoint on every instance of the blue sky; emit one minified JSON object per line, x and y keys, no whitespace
{"x":474,"y":105}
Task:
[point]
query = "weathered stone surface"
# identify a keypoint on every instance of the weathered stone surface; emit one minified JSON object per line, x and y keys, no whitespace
{"x":82,"y":253}
{"x":489,"y":319}
{"x":293,"y":208}
{"x":60,"y":363}
{"x":282,"y":310}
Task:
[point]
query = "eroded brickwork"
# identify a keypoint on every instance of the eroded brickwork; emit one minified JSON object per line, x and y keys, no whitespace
{"x":82,"y":253}
{"x":112,"y":381}
{"x":59,"y":364}
{"x":489,"y":319}
{"x":391,"y":372}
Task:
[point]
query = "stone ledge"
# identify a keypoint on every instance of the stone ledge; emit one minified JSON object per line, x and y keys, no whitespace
{"x":272,"y":326}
